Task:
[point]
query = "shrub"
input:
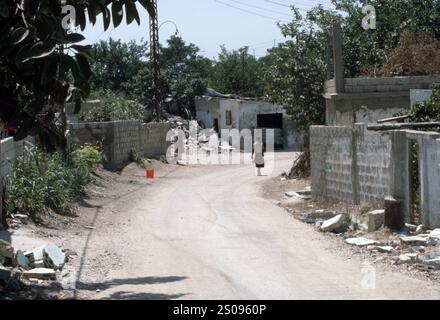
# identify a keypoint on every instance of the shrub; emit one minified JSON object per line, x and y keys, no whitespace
{"x":42,"y":182}
{"x":115,"y":108}
{"x":136,"y":157}
{"x":87,"y":156}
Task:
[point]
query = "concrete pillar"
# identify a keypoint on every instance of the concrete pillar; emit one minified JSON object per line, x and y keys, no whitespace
{"x":338,"y":58}
{"x":400,"y":170}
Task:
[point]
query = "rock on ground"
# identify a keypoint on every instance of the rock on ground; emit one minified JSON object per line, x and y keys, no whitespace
{"x":376,"y":220}
{"x":338,"y":224}
{"x":361,"y":242}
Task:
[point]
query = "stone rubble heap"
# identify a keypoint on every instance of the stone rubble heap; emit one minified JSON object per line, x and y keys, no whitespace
{"x":413,"y":245}
{"x":40,"y":264}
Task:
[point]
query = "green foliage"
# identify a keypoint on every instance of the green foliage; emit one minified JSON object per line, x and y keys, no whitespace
{"x":87,"y":156}
{"x":137,"y":157}
{"x":294,"y":72}
{"x":237,"y":72}
{"x":43,"y":181}
{"x":428,"y":111}
{"x":115,"y":108}
{"x":41,"y":63}
{"x":125,"y":69}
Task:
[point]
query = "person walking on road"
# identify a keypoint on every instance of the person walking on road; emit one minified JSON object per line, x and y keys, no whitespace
{"x":258,"y":154}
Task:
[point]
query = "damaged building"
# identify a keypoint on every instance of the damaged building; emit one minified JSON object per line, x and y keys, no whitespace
{"x":224,"y":112}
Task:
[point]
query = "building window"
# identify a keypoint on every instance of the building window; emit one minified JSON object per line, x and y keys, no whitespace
{"x":228,"y":118}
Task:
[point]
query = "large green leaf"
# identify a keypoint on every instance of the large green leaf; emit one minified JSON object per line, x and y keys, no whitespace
{"x":84,"y":50}
{"x":149,"y":6}
{"x":117,"y":13}
{"x":131,"y":12}
{"x":18,"y":35}
{"x":84,"y":65}
{"x":23,"y":53}
{"x":74,"y":37}
{"x":106,"y":16}
{"x":40,"y":50}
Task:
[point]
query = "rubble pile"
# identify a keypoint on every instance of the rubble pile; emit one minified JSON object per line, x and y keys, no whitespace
{"x":37,"y":265}
{"x":197,"y":138}
{"x":413,"y":245}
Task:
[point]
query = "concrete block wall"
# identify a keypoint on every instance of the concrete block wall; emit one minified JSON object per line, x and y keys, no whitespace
{"x":119,"y":138}
{"x":10,"y":150}
{"x":331,"y":163}
{"x":349,"y":164}
{"x":430,"y":182}
{"x":373,"y":152}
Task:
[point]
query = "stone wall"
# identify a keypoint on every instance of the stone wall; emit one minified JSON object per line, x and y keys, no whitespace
{"x":119,"y":138}
{"x":349,"y":164}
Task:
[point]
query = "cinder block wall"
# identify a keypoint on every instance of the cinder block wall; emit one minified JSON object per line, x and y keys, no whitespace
{"x":119,"y":138}
{"x":10,"y":150}
{"x":349,"y":164}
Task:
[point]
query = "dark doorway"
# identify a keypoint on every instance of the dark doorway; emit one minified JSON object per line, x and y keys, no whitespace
{"x":216,"y":125}
{"x":272,"y":120}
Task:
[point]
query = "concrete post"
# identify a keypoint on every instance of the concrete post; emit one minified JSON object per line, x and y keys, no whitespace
{"x":338,"y":58}
{"x":400,"y":170}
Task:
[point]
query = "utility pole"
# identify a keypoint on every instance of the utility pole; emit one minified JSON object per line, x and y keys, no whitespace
{"x":154,"y":58}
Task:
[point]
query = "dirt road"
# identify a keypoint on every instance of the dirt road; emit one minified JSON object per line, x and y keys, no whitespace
{"x":206,"y":233}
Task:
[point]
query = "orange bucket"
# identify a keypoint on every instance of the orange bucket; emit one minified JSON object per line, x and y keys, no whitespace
{"x":150,"y":173}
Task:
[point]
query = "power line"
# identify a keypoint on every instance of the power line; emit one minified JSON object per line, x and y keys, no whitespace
{"x":286,"y":6}
{"x":261,"y":8}
{"x":250,"y":12}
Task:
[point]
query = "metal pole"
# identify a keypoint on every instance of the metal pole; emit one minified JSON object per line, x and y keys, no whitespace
{"x":154,"y":57}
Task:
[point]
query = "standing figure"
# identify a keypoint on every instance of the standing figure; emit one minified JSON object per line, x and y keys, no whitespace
{"x":258,"y":151}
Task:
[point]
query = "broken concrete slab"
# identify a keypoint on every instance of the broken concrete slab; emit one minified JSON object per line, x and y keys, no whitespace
{"x":386,"y":249}
{"x":35,"y":254}
{"x":375,"y":220}
{"x":318,"y":215}
{"x":40,"y":273}
{"x":415,"y":240}
{"x":435,"y":234}
{"x":37,"y":264}
{"x":337,"y":224}
{"x":21,"y":260}
{"x":361,"y":242}
{"x":54,"y":257}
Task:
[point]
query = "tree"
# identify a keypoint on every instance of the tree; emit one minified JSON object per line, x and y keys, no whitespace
{"x":41,"y":64}
{"x":237,"y":72}
{"x":125,"y":68}
{"x":116,"y":64}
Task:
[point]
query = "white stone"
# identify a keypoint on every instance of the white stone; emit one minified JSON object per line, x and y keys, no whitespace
{"x":338,"y":224}
{"x":54,"y":257}
{"x":361,"y":242}
{"x":35,"y":254}
{"x":435,"y":234}
{"x":420,"y":229}
{"x":403,"y":258}
{"x":385,"y":249}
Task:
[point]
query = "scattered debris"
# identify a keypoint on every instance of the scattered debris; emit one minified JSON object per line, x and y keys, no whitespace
{"x":403,"y":258}
{"x":317,"y":216}
{"x":361,"y":242}
{"x":338,"y":224}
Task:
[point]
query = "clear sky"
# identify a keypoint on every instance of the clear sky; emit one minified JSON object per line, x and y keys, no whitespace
{"x":212,"y":23}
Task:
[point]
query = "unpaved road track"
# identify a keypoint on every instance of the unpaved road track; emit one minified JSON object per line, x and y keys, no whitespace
{"x":205,"y":233}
